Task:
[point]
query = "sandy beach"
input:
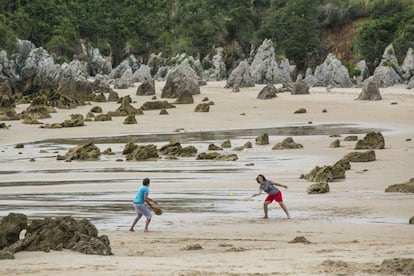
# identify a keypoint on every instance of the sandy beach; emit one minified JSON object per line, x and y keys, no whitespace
{"x":351,"y":229}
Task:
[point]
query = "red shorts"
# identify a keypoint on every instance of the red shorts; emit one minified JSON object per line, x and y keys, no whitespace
{"x":277,"y":197}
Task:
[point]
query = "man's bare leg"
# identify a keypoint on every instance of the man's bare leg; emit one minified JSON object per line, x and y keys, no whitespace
{"x":133,"y":224}
{"x":266,"y":208}
{"x":284,"y":209}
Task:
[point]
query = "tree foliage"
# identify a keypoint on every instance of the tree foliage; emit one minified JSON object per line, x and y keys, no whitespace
{"x":141,"y":27}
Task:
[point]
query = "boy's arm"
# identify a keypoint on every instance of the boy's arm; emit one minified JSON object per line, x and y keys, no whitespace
{"x":148,"y":199}
{"x":280,"y":185}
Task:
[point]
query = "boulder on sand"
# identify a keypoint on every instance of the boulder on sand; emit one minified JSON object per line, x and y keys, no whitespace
{"x":318,"y":188}
{"x":182,"y":78}
{"x":367,"y":156}
{"x":372,"y":140}
{"x":370,"y":92}
{"x":287,"y":143}
{"x":146,"y":88}
{"x":407,"y":187}
{"x":268,"y":92}
{"x":86,"y":152}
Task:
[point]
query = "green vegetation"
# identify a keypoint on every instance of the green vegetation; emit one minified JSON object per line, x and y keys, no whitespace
{"x":195,"y":27}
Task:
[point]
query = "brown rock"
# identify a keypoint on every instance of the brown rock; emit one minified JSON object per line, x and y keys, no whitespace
{"x":318,"y":188}
{"x":86,"y":152}
{"x":262,"y":139}
{"x":202,"y":107}
{"x":407,"y":187}
{"x":143,"y":153}
{"x":367,"y":156}
{"x":373,"y":140}
{"x":287,"y":143}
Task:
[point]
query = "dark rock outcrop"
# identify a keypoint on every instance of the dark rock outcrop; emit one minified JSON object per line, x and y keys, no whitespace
{"x":10,"y":228}
{"x":156,"y":105}
{"x":182,"y":78}
{"x":318,"y":188}
{"x":216,"y":156}
{"x":184,"y":98}
{"x":126,"y":108}
{"x":144,"y":152}
{"x":146,"y":88}
{"x":86,"y":152}
{"x":262,"y":139}
{"x":202,"y":107}
{"x":367,"y":156}
{"x":268,"y":92}
{"x":372,"y":140}
{"x":130,"y":119}
{"x":407,"y":187}
{"x":287,"y":143}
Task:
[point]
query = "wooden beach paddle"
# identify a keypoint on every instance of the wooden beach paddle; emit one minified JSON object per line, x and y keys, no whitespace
{"x":157,"y":210}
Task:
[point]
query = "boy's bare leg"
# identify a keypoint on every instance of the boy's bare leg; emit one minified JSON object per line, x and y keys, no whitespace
{"x":146,"y":225}
{"x":284,"y":209}
{"x":266,"y":208}
{"x":133,"y":224}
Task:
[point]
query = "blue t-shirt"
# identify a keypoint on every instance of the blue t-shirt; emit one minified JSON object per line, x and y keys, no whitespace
{"x":139,"y":198}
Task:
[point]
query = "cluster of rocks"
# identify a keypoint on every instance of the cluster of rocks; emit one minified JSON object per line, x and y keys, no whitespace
{"x":50,"y":234}
{"x":323,"y":175}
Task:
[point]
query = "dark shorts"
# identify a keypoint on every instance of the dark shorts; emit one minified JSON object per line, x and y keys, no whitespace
{"x":277,"y":197}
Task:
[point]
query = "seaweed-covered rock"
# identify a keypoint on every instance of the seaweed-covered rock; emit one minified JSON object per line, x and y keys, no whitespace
{"x":129,"y":148}
{"x":99,"y":98}
{"x":146,"y":88}
{"x":144,"y":152}
{"x":6,"y":254}
{"x":96,"y":109}
{"x":262,"y":139}
{"x":172,"y":148}
{"x":407,"y":187}
{"x":268,"y":92}
{"x":63,"y":233}
{"x":318,"y":188}
{"x":351,"y":138}
{"x":372,"y":140}
{"x":287,"y":143}
{"x":184,"y":97}
{"x":216,"y":156}
{"x":397,"y":266}
{"x":319,"y":174}
{"x":226,"y":144}
{"x":76,"y":120}
{"x":103,"y":117}
{"x":214,"y":147}
{"x":126,"y":108}
{"x":154,"y":105}
{"x":188,"y":151}
{"x":130,"y":120}
{"x":367,"y":156}
{"x":86,"y":152}
{"x":10,"y":228}
{"x":335,"y":144}
{"x":202,"y":107}
{"x":411,"y":221}
{"x":113,"y":96}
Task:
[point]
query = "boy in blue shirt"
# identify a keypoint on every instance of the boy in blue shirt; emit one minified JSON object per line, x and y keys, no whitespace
{"x":139,"y":204}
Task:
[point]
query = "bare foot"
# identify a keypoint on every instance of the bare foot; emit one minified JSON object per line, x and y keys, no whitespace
{"x":146,"y":231}
{"x":132,"y":230}
{"x":264,"y":217}
{"x":288,"y":217}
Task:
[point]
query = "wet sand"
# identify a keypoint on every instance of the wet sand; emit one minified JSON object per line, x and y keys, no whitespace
{"x":352,"y":228}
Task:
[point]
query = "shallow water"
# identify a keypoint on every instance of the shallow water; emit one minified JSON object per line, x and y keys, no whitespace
{"x":110,"y":207}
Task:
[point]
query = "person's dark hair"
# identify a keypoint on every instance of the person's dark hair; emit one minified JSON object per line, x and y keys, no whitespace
{"x":257,"y":178}
{"x":145,"y":181}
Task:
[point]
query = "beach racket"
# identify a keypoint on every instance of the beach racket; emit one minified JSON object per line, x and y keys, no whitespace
{"x":156,"y":210}
{"x":249,"y":198}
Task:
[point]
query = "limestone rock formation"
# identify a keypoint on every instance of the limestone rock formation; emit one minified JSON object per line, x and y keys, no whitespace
{"x":126,"y":108}
{"x":370,"y":92}
{"x":287,"y":143}
{"x":142,"y":74}
{"x":372,"y":140}
{"x":332,"y":73}
{"x":182,"y":78}
{"x":268,"y":92}
{"x":241,"y":76}
{"x":265,"y":69}
{"x":407,"y":68}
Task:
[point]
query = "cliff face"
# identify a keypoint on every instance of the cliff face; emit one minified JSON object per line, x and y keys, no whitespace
{"x":338,"y":41}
